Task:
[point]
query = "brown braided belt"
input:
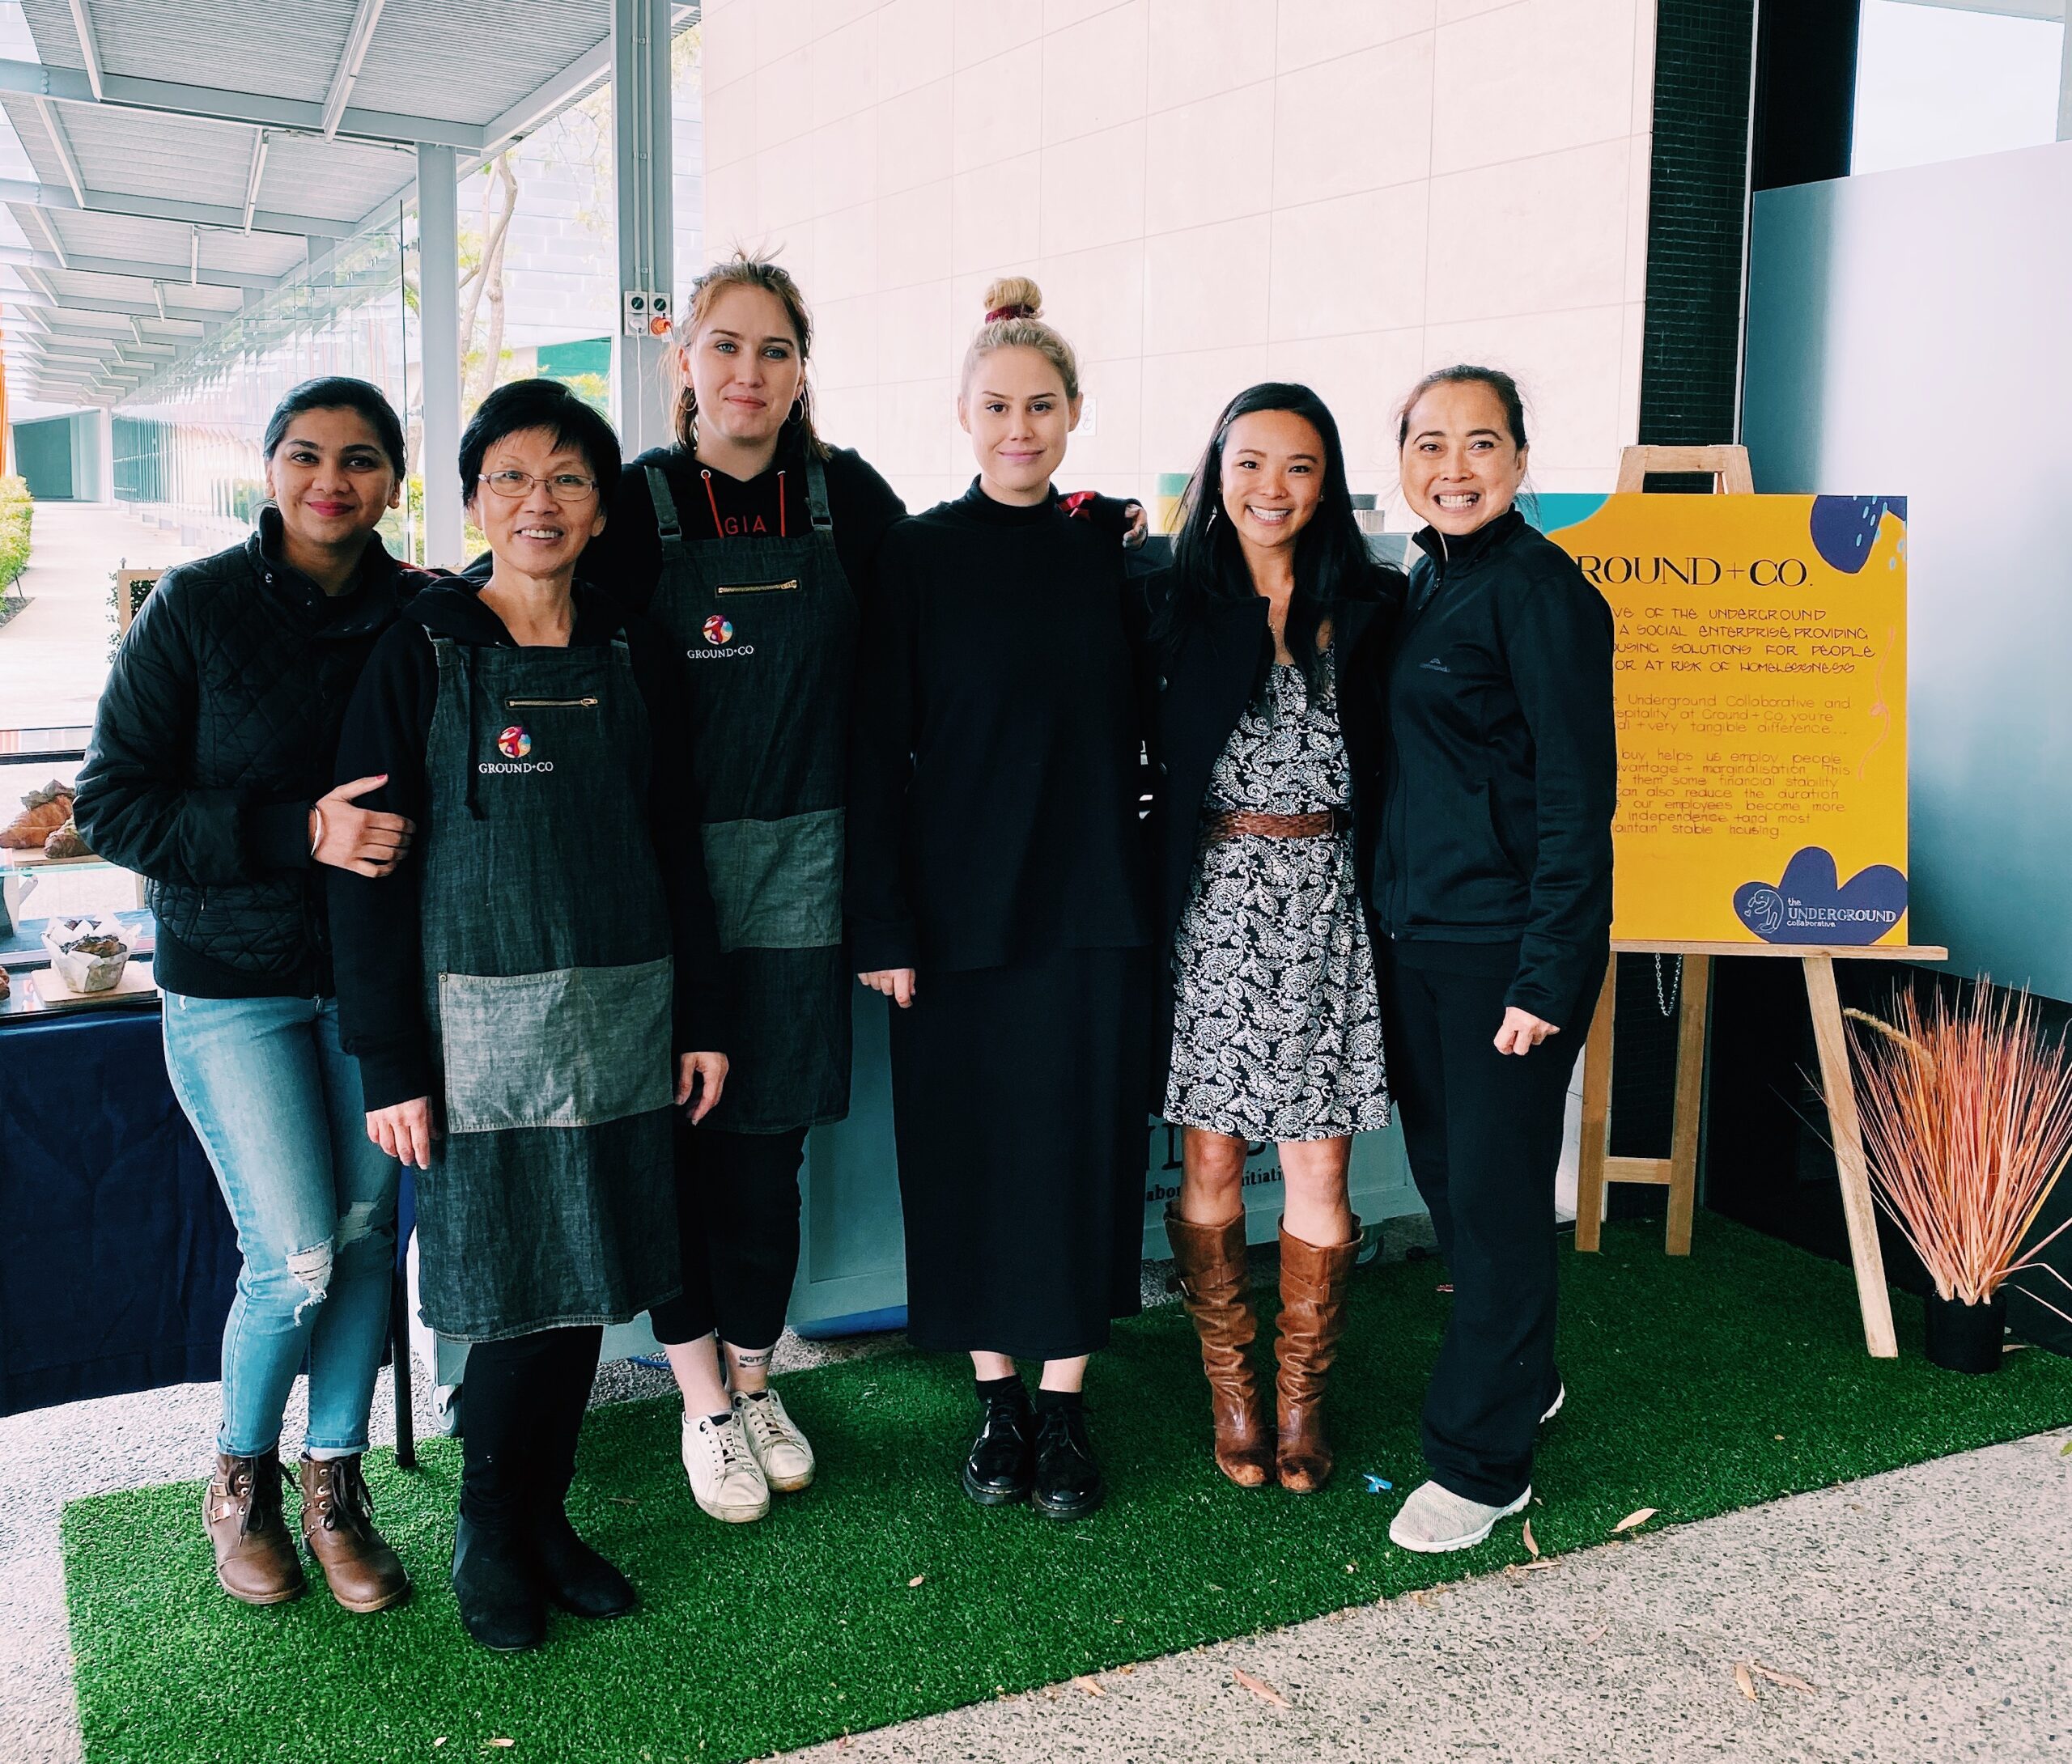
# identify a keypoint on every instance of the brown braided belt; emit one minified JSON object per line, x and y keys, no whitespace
{"x":1222,"y":825}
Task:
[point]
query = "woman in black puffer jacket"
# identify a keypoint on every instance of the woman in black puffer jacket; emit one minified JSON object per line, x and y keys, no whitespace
{"x":208,"y":774}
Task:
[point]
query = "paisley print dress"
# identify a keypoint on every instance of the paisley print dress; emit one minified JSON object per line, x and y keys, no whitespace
{"x":1277,"y":1026}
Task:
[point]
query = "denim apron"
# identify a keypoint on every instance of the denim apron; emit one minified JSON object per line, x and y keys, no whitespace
{"x":769,"y":628}
{"x":548,"y":989}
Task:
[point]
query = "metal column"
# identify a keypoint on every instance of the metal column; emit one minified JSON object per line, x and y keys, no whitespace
{"x":439,"y":328}
{"x":647,"y":233}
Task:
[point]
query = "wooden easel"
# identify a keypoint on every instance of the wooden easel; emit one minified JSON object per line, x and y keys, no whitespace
{"x":1678,"y":1172}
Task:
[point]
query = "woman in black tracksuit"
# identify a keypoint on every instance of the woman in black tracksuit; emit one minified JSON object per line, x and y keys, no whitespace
{"x":1492,"y":900}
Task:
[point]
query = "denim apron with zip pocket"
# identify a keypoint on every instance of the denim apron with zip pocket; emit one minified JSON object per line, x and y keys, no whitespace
{"x":768,"y":627}
{"x":548,"y":987}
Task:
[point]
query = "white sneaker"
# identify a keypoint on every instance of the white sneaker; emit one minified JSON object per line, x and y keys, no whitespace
{"x":1554,"y":1408}
{"x":774,"y":1437}
{"x":1435,"y":1519}
{"x":725,"y":1479}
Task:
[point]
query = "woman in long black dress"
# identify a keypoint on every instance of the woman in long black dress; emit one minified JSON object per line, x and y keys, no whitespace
{"x":998,"y":897}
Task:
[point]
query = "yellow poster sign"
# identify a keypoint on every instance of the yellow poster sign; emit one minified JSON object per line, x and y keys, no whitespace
{"x":1761,"y":689}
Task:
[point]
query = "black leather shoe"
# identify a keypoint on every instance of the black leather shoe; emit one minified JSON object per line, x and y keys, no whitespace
{"x":1002,"y":1464}
{"x":501,"y":1604}
{"x":1069,"y":1483}
{"x":574,"y":1576}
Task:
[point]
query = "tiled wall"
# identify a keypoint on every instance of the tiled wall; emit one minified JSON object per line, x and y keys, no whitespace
{"x":1211,"y":192}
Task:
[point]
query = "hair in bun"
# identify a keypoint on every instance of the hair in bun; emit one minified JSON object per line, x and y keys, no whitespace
{"x":1014,"y":319}
{"x":1013,"y":297}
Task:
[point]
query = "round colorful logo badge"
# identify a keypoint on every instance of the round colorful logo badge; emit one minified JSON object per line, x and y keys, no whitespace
{"x":719,"y":630}
{"x":514,"y":744}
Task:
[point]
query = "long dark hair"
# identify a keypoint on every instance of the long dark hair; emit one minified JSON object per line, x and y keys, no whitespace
{"x":1331,"y":562}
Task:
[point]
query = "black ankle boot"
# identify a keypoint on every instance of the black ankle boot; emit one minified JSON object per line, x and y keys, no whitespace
{"x":573,"y":1574}
{"x":498,"y":1591}
{"x":1069,"y":1483}
{"x":1002,"y":1463}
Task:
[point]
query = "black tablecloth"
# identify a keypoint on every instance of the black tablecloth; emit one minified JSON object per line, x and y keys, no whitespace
{"x":118,"y":1256}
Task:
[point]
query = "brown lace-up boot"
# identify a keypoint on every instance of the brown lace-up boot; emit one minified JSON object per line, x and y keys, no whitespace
{"x":338,"y":1525}
{"x":1312,"y":1315}
{"x":1211,"y":1260}
{"x":241,"y":1511}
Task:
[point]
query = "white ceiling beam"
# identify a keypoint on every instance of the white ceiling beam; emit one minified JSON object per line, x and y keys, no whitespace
{"x":36,"y":299}
{"x":83,"y":25}
{"x":162,"y":208}
{"x":55,"y":343}
{"x":124,"y":91}
{"x":251,"y":178}
{"x":139,"y":268}
{"x":35,"y":279}
{"x":49,"y":234}
{"x":62,"y":148}
{"x":359,"y":37}
{"x":588,"y":70}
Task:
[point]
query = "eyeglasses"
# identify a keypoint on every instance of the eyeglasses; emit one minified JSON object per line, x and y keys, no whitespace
{"x":563,"y":486}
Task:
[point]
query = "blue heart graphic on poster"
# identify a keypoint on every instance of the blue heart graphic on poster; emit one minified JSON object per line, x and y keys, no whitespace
{"x":1808,"y":904}
{"x":1844,"y":528}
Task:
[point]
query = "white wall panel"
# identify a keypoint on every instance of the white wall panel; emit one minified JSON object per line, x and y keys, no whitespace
{"x":1210,"y":191}
{"x":1908,"y":335}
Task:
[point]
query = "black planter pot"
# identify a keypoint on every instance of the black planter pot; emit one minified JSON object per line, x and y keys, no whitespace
{"x":1966,"y":1337}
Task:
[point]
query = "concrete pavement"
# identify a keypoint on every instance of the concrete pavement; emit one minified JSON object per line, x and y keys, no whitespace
{"x":53,"y":655}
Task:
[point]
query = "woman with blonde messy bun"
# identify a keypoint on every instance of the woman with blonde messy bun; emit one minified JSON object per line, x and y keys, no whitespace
{"x":755,"y":545}
{"x":995,"y":855}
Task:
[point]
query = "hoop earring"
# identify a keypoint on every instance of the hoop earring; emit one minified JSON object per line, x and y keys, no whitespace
{"x":798,"y":413}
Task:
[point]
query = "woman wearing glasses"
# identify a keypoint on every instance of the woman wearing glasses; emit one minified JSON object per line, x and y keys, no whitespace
{"x":535,"y":989}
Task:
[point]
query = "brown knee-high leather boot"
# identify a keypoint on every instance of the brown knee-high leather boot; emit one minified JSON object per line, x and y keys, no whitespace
{"x":1312,"y":1315}
{"x":1211,"y":1259}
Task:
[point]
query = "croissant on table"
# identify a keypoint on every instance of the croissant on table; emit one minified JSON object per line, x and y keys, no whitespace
{"x":44,"y":811}
{"x":66,"y":843}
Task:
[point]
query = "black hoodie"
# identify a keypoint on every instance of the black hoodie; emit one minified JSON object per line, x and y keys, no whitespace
{"x":375,"y":923}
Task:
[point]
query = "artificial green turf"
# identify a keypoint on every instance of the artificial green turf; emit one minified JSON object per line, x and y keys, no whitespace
{"x":1681,"y":1374}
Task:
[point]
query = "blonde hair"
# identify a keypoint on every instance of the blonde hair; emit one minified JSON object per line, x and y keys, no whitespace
{"x":740,"y":270}
{"x":1014,"y":319}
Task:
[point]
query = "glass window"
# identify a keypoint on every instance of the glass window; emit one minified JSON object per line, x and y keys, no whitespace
{"x":539,"y":266}
{"x":687,"y":155}
{"x":1948,"y":79}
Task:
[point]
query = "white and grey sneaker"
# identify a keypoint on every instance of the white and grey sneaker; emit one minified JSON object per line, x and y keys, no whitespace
{"x":1554,"y":1408}
{"x":1435,"y":1519}
{"x":725,"y":1478}
{"x":774,"y":1437}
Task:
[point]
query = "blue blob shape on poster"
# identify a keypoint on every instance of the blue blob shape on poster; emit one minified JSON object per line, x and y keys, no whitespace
{"x":1845,"y":528}
{"x":1808,"y":904}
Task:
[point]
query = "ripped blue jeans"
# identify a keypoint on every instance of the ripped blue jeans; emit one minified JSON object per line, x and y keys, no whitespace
{"x":277,"y":1105}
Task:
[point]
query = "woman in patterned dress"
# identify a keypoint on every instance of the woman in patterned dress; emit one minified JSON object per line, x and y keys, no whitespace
{"x":1267,"y":635}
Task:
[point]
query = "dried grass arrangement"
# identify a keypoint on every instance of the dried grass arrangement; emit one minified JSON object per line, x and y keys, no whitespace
{"x":1966,"y":1110}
